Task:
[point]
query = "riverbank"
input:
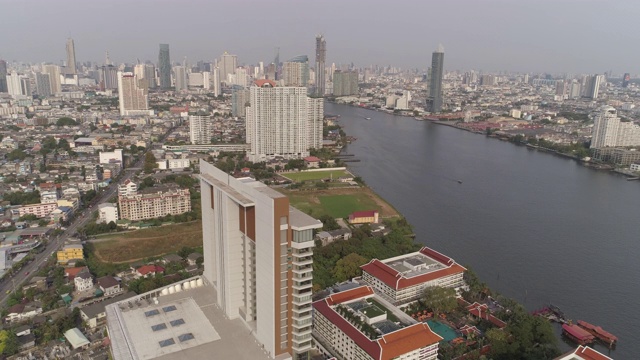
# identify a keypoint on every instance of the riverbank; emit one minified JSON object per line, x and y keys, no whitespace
{"x":586,"y":163}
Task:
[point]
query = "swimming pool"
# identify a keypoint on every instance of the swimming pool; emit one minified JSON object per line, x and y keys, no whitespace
{"x":443,"y":330}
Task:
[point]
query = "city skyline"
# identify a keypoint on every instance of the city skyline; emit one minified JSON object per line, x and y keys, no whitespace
{"x":493,"y":35}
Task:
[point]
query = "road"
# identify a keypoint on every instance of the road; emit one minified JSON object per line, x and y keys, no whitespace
{"x":54,"y":244}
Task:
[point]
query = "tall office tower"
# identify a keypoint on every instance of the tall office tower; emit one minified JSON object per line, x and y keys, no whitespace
{"x":257,"y":255}
{"x":228,"y":65}
{"x":278,"y":121}
{"x":592,"y":86}
{"x":150,"y":76}
{"x":345,"y":83}
{"x":54,"y":77}
{"x":138,"y":71}
{"x":434,"y":102}
{"x":43,"y":84}
{"x":575,"y":90}
{"x":71,"y":58}
{"x":25,"y":86}
{"x":295,"y":72}
{"x":321,"y":57}
{"x":132,"y":98}
{"x":239,"y":100}
{"x":3,"y":77}
{"x":561,"y":88}
{"x":180,"y":74}
{"x":271,"y":72}
{"x":625,"y":80}
{"x":215,"y":82}
{"x":13,"y":84}
{"x":164,"y":66}
{"x":200,"y":129}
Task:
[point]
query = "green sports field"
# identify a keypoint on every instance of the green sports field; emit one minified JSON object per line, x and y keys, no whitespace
{"x":315,"y":175}
{"x":340,"y":206}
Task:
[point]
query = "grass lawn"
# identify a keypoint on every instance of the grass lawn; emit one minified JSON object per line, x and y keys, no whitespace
{"x":340,"y":206}
{"x":314,"y":175}
{"x":390,"y":315}
{"x":145,"y":243}
{"x":372,"y":311}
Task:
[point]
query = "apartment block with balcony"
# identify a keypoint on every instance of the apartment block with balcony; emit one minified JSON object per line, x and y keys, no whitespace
{"x":154,"y":204}
{"x":258,"y":256}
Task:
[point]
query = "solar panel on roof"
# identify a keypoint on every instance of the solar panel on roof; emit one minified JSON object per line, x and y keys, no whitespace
{"x":166,"y":342}
{"x":177,"y":322}
{"x":159,"y":327}
{"x":185,"y":337}
{"x":151,"y":313}
{"x":169,"y":308}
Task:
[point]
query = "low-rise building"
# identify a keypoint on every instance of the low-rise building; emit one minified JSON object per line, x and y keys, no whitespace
{"x":39,"y":210}
{"x":107,"y":212}
{"x":108,"y":285}
{"x":83,"y":281}
{"x":76,"y":338}
{"x":402,"y":279}
{"x":346,"y":325}
{"x":149,"y":270}
{"x":70,"y":252}
{"x":154,"y":205}
{"x":127,"y":188}
{"x":95,"y":314}
{"x":312,"y":162}
{"x":364,"y":217}
{"x":21,"y":312}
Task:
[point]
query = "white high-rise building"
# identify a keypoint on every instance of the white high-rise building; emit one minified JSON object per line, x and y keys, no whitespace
{"x":281,"y":121}
{"x":296,"y":71}
{"x":132,"y":98}
{"x":206,"y":80}
{"x":54,"y":77}
{"x":609,"y":131}
{"x":228,"y":65}
{"x":180,"y":73}
{"x":215,"y":81}
{"x":241,"y":78}
{"x":258,"y":256}
{"x":200,"y":129}
{"x":14,"y":84}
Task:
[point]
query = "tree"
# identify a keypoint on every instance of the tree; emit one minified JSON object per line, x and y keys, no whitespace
{"x":64,"y":145}
{"x":66,"y":121}
{"x":440,"y":299}
{"x":149,"y":163}
{"x":329,"y":223}
{"x":16,"y":154}
{"x":348,"y":267}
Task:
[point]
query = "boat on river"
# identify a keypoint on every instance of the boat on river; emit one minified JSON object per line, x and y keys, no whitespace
{"x":602,"y":335}
{"x":577,"y":334}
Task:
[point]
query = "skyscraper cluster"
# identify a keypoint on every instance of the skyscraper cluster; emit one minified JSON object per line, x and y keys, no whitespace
{"x":609,"y":131}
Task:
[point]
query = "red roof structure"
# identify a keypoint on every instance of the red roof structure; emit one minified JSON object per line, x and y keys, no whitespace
{"x":578,"y":334}
{"x":351,"y":294}
{"x":148,"y":269}
{"x":312,"y":159}
{"x":396,"y":280}
{"x":71,"y":273}
{"x":587,"y":353}
{"x":263,"y":82}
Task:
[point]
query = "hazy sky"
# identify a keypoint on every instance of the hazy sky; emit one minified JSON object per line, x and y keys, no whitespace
{"x":574,"y":36}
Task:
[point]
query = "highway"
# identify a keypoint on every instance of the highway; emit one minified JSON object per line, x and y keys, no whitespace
{"x":82,"y":218}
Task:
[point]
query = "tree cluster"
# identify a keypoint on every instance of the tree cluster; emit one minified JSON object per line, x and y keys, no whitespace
{"x":22,"y":197}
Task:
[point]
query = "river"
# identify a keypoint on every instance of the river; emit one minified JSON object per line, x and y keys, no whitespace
{"x":536,"y":227}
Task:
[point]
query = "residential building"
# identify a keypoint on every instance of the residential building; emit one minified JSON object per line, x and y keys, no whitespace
{"x":54,"y":77}
{"x":39,"y":210}
{"x":200,"y":129}
{"x":258,"y":256}
{"x":215,"y":81}
{"x":339,"y":335}
{"x":178,"y":163}
{"x":239,"y":100}
{"x":281,"y":122}
{"x":127,"y":188}
{"x":154,"y":205}
{"x":43,"y":84}
{"x":132,"y":99}
{"x":295,"y":72}
{"x":107,"y":212}
{"x":70,"y":252}
{"x":625,"y":80}
{"x":3,"y":77}
{"x":108,"y":285}
{"x":180,"y":77}
{"x":108,"y":77}
{"x":592,"y":86}
{"x":164,"y":67}
{"x":434,"y":102}
{"x":610,"y":131}
{"x":20,"y":312}
{"x":149,"y":270}
{"x":71,"y":58}
{"x":321,"y":57}
{"x":83,"y":281}
{"x":402,"y":279}
{"x":95,"y":314}
{"x":228,"y":64}
{"x":345,"y":83}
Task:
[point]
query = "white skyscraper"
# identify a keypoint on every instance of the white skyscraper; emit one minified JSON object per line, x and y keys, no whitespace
{"x":200,"y":129}
{"x":206,"y":80}
{"x":257,"y":254}
{"x":132,"y":98}
{"x":54,"y":77}
{"x":180,"y":78}
{"x":215,"y":81}
{"x":241,"y":77}
{"x":296,"y":71}
{"x":14,"y":84}
{"x":228,"y":65}
{"x":282,"y":121}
